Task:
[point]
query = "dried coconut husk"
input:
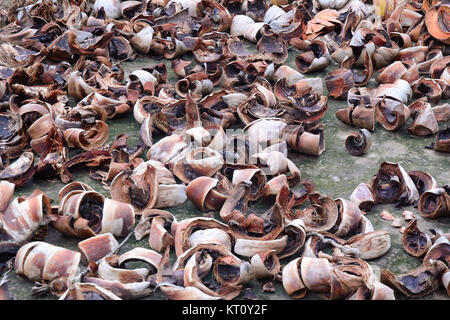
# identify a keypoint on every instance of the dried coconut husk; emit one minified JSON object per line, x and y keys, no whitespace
{"x":435,"y":24}
{"x":338,"y":83}
{"x":149,"y":105}
{"x":425,"y":122}
{"x":391,"y":114}
{"x":314,"y":58}
{"x":296,"y":232}
{"x":442,"y":112}
{"x":215,"y":16}
{"x":20,"y":171}
{"x":423,"y":181}
{"x":198,"y":162}
{"x":439,"y":250}
{"x":393,"y":184}
{"x":13,"y":139}
{"x":90,"y":139}
{"x":322,"y":215}
{"x":392,"y":72}
{"x":125,"y":291}
{"x":442,"y":143}
{"x":225,"y":289}
{"x":428,"y":87}
{"x":273,"y":48}
{"x":403,"y":40}
{"x":138,"y":187}
{"x":41,"y":261}
{"x":249,"y":226}
{"x":435,"y":203}
{"x":219,"y":108}
{"x":208,"y":193}
{"x":93,"y":158}
{"x":180,"y":115}
{"x":438,"y":67}
{"x":158,"y":224}
{"x":221,"y":259}
{"x":198,"y":84}
{"x":414,"y":241}
{"x":399,"y":90}
{"x":265,"y":264}
{"x":245,"y":26}
{"x":86,"y":213}
{"x":432,"y":56}
{"x":378,"y":292}
{"x":349,"y":217}
{"x":308,"y":107}
{"x":308,"y":139}
{"x":363,"y":197}
{"x":409,"y":284}
{"x":185,"y":239}
{"x":23,"y":216}
{"x":358,"y":142}
{"x":360,"y":114}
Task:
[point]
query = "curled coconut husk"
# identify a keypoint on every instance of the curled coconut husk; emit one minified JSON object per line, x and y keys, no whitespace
{"x":363,"y":197}
{"x":167,"y":148}
{"x":442,"y":112}
{"x":113,"y":267}
{"x":393,"y":184}
{"x":95,"y":248}
{"x":414,"y":241}
{"x":358,"y":143}
{"x":435,"y":203}
{"x":256,"y":176}
{"x":87,"y":213}
{"x":442,"y":143}
{"x":273,"y":48}
{"x":423,"y":181}
{"x":322,"y":215}
{"x":250,"y":226}
{"x":425,"y":122}
{"x":310,"y":141}
{"x":41,"y":261}
{"x":265,"y":264}
{"x":339,"y":82}
{"x":187,"y":234}
{"x":391,"y":114}
{"x":378,"y":291}
{"x":138,"y":187}
{"x":436,"y":19}
{"x":20,"y":171}
{"x":22,"y":217}
{"x":159,"y":224}
{"x":13,"y":139}
{"x":360,"y":116}
{"x":427,"y":87}
{"x":306,"y":273}
{"x":440,"y":250}
{"x":90,"y":139}
{"x":208,"y":193}
{"x":417,"y":283}
{"x":314,"y":58}
{"x":392,"y":72}
{"x":296,"y":232}
{"x":349,"y":217}
{"x":198,"y":162}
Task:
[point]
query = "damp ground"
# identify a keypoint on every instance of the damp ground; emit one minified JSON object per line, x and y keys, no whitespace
{"x":335,"y":173}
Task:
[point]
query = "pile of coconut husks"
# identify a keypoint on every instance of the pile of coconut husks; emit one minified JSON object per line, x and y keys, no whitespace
{"x":225,"y":128}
